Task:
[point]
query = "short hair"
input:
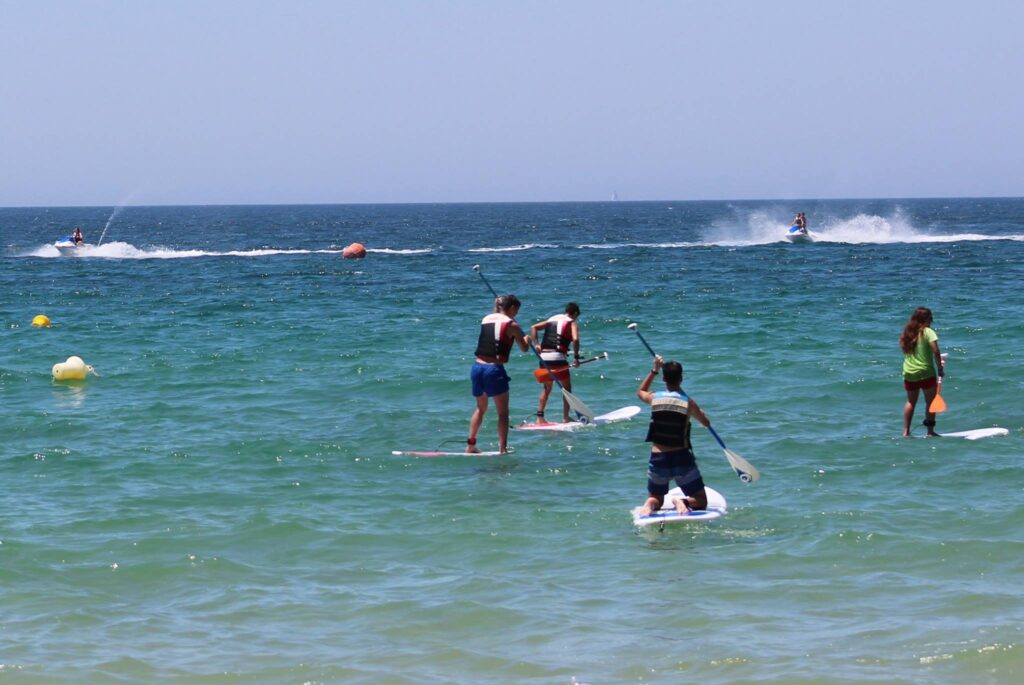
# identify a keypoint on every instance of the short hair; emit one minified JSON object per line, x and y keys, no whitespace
{"x":672,"y":372}
{"x":572,"y":309}
{"x":506,"y":302}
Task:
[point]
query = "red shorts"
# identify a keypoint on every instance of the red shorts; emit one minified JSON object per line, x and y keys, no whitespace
{"x":920,"y":385}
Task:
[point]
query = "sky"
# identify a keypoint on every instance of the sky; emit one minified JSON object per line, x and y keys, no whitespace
{"x":247,"y":102}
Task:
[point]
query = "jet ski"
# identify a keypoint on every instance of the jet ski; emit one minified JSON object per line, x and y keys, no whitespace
{"x":67,"y":246}
{"x":795,"y":235}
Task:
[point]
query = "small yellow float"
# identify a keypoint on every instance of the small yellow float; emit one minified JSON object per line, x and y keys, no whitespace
{"x":74,"y":369}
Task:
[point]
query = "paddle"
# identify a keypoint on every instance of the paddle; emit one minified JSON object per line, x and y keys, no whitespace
{"x":583,"y":412}
{"x":545,"y":376}
{"x":938,"y":404}
{"x":743,"y":468}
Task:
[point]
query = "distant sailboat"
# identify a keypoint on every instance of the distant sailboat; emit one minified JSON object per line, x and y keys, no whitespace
{"x":615,"y":196}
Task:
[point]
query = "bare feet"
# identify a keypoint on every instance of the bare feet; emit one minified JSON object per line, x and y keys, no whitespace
{"x":472,"y":449}
{"x":681,"y":504}
{"x":649,"y":506}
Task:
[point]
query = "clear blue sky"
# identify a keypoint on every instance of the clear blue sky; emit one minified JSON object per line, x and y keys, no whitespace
{"x":222,"y":102}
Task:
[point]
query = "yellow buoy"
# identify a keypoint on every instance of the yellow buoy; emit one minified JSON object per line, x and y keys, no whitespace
{"x":41,"y":320}
{"x":74,"y":369}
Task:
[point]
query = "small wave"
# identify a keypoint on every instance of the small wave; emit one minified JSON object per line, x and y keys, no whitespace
{"x":387,"y":250}
{"x":514,"y":248}
{"x":617,"y":246}
{"x":119,"y":250}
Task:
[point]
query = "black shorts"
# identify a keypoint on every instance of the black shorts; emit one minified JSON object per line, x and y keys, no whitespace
{"x":678,"y":465}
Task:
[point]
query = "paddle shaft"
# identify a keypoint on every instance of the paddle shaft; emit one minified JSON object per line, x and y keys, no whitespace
{"x":566,"y":368}
{"x":644,"y":342}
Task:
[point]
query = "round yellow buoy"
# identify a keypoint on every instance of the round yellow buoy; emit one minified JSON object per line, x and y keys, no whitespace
{"x":74,"y":369}
{"x":41,"y":320}
{"x":354,"y":251}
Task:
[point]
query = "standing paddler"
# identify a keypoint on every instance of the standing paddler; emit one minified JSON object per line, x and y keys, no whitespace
{"x":498,"y":331}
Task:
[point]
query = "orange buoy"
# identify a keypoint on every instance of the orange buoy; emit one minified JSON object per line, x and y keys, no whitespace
{"x":354,"y":251}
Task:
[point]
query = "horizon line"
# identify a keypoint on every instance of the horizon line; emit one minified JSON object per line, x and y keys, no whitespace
{"x":515,"y":202}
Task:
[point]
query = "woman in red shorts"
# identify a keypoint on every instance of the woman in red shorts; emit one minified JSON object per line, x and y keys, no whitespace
{"x":921,"y":363}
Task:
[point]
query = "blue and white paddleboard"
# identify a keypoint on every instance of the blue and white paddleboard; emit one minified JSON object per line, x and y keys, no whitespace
{"x":623,"y":414}
{"x":668,"y":514}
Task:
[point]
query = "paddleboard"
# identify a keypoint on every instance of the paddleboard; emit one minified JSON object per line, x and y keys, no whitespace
{"x":622,"y":414}
{"x":977,"y":433}
{"x":415,"y":453}
{"x":668,"y":514}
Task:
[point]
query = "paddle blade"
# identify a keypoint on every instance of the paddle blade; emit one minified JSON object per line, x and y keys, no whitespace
{"x":938,"y":405}
{"x":582,"y":410}
{"x":743,"y":468}
{"x":544,"y":376}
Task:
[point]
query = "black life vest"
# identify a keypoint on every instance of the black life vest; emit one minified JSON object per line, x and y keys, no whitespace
{"x":670,"y":420}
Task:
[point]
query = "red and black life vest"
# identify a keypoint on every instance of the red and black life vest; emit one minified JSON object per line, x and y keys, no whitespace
{"x":495,"y":338}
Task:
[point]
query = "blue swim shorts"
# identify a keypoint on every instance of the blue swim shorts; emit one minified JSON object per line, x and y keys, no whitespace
{"x":678,"y":465}
{"x":489,"y":379}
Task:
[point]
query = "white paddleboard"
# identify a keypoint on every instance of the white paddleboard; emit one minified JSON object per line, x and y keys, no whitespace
{"x":668,"y":514}
{"x":977,"y":433}
{"x":416,"y":453}
{"x":621,"y":414}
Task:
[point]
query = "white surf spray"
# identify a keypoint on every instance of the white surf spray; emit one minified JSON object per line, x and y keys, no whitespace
{"x":514,"y":248}
{"x":764,"y":226}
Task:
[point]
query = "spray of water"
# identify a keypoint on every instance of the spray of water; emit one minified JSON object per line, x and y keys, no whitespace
{"x":109,"y":221}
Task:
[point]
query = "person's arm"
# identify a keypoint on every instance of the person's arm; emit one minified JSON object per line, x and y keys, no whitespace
{"x":575,"y":344}
{"x":694,"y":410}
{"x":643,"y":391}
{"x":517,"y":335}
{"x":938,"y":358}
{"x":533,"y":331}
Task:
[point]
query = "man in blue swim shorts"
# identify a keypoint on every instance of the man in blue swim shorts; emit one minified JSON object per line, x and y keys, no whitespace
{"x":669,"y":434}
{"x":497,"y":333}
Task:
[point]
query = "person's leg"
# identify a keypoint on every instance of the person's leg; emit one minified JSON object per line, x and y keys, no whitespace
{"x":565,"y":403}
{"x":657,"y":486}
{"x":501,"y":405}
{"x":929,"y":417}
{"x":908,"y":410}
{"x":474,"y":424}
{"x":696,"y":497}
{"x":545,"y":392}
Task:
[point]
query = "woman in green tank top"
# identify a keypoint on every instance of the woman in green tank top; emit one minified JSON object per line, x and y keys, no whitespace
{"x":921,"y":362}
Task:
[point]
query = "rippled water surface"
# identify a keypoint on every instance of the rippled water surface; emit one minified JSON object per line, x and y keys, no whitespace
{"x":221,"y":505}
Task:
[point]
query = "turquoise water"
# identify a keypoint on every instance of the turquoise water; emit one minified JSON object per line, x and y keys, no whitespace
{"x":220,"y":504}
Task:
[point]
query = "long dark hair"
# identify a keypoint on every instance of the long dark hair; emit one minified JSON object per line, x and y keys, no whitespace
{"x":918,"y":321}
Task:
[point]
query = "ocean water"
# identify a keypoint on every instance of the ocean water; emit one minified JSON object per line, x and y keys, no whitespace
{"x":221,"y":505}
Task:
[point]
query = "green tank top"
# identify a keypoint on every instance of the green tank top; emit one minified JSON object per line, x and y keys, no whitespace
{"x":920,"y":363}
